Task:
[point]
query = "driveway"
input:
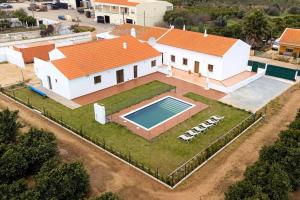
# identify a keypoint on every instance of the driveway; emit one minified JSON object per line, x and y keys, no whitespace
{"x":53,"y":15}
{"x":257,"y":94}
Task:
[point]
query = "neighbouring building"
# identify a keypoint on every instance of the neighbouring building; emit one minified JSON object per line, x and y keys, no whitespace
{"x":35,"y":50}
{"x":77,"y":70}
{"x":289,"y":43}
{"x":140,"y":12}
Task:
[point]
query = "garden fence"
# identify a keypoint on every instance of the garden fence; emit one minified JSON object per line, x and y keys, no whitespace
{"x":171,"y":179}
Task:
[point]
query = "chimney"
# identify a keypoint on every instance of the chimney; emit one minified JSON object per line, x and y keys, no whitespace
{"x":124,"y":45}
{"x":133,"y":32}
{"x":183,"y":27}
{"x":205,"y":33}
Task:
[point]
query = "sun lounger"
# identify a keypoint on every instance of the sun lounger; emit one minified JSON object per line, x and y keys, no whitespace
{"x":217,"y":117}
{"x":211,"y":122}
{"x":186,"y":137}
{"x":199,"y":129}
{"x":205,"y":125}
{"x":191,"y":132}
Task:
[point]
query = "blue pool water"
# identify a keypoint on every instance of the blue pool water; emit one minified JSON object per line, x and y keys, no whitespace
{"x":157,"y":112}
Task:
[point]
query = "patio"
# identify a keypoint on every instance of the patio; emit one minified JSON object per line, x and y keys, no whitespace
{"x":202,"y":80}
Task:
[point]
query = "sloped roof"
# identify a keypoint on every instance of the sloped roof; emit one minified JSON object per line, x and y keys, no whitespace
{"x":290,"y":36}
{"x":194,"y":41}
{"x":142,"y":32}
{"x":119,"y":2}
{"x":92,"y":57}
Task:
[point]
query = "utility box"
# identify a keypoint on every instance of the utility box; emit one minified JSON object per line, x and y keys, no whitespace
{"x":100,"y":113}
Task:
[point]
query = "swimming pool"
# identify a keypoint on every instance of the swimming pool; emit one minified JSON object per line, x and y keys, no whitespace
{"x":158,"y":112}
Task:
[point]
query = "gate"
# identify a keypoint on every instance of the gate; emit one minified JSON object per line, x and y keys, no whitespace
{"x":281,"y":72}
{"x":255,"y":65}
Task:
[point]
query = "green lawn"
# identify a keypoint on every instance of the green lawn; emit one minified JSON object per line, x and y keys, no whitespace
{"x":165,"y":152}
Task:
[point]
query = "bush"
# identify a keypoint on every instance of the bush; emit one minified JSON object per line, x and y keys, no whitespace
{"x":295,"y":10}
{"x":107,"y":196}
{"x":69,"y":181}
{"x":9,"y":126}
{"x":39,"y":147}
{"x":245,"y":190}
{"x":221,"y":21}
{"x":11,"y":191}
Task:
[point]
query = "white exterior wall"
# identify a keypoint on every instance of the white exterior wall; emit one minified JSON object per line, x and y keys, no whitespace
{"x":115,"y":18}
{"x":236,"y":59}
{"x":60,"y":84}
{"x":85,"y":85}
{"x":192,"y":56}
{"x":154,"y":12}
{"x":55,"y":54}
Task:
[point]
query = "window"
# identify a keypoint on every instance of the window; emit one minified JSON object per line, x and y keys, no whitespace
{"x":210,"y":68}
{"x":289,"y":50}
{"x":153,"y":63}
{"x":185,"y":61}
{"x":173,"y":59}
{"x":97,"y":79}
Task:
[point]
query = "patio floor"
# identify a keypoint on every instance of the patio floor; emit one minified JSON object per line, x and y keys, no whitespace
{"x":201,"y":80}
{"x":182,"y":87}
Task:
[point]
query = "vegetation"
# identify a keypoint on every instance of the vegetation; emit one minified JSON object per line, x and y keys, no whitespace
{"x":267,"y":22}
{"x":78,"y":29}
{"x":30,"y":167}
{"x":164,"y":153}
{"x":276,"y":173}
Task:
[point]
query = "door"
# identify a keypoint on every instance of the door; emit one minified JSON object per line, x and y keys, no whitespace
{"x":129,"y":21}
{"x":107,"y":19}
{"x":120,"y":76}
{"x":196,"y":67}
{"x":49,"y":82}
{"x":135,"y":71}
{"x":100,"y":19}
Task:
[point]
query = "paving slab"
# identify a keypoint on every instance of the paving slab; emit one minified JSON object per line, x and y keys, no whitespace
{"x":257,"y":94}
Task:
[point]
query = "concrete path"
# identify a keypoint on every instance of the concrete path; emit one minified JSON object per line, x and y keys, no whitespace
{"x":66,"y":102}
{"x":257,"y":94}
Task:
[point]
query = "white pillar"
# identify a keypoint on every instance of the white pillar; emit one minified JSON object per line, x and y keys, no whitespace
{"x":100,"y":113}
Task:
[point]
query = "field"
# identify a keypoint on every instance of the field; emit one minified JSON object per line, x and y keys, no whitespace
{"x":164,"y":153}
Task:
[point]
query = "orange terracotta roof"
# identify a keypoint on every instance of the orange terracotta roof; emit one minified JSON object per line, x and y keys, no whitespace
{"x":119,"y":2}
{"x":35,"y":50}
{"x":92,"y":57}
{"x":194,"y":41}
{"x":142,"y":32}
{"x":290,"y":36}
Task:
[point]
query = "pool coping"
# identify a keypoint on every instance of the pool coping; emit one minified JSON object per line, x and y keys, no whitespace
{"x":151,"y":103}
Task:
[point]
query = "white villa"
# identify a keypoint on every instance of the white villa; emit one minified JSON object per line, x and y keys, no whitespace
{"x":81,"y":69}
{"x":141,"y":12}
{"x":132,"y":51}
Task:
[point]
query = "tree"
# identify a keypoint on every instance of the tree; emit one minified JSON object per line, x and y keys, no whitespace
{"x":107,"y":196}
{"x":13,"y":165}
{"x":295,"y":10}
{"x":271,"y":178}
{"x":273,"y":10}
{"x":245,"y":190}
{"x":221,"y":21}
{"x":69,"y":181}
{"x":11,"y":191}
{"x":9,"y":126}
{"x":39,"y":147}
{"x":256,"y":28}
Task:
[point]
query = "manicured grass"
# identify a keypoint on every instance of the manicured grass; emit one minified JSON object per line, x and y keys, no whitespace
{"x":165,"y":152}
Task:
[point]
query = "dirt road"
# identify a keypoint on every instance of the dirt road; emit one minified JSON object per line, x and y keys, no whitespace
{"x":210,"y":182}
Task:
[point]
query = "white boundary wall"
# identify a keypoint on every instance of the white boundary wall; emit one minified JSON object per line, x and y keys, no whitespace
{"x":61,"y":40}
{"x":260,"y":73}
{"x":12,"y":56}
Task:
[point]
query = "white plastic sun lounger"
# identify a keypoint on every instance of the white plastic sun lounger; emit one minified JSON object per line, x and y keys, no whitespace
{"x":205,"y":125}
{"x":192,"y":133}
{"x":186,"y":137}
{"x":217,"y":117}
{"x":199,"y":129}
{"x":211,"y":122}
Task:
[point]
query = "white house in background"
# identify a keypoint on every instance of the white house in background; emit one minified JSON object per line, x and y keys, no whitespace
{"x":212,"y":56}
{"x":141,"y":12}
{"x":77,"y":70}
